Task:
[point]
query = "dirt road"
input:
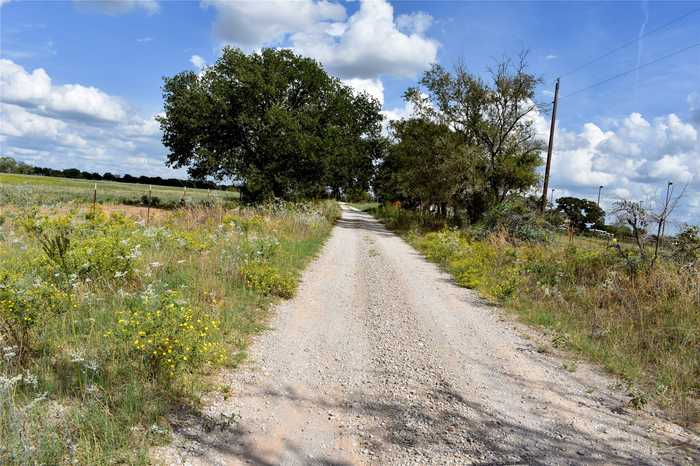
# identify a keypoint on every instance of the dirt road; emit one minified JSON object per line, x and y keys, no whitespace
{"x":381,"y":359}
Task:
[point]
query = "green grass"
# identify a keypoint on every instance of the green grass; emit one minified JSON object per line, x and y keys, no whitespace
{"x":104,"y":337}
{"x":644,"y":328}
{"x":365,"y":206}
{"x":31,"y":190}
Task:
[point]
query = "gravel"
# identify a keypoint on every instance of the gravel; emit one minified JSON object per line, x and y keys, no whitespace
{"x":382,"y":359}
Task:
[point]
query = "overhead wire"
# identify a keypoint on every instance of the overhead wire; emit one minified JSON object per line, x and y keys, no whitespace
{"x":628,"y":43}
{"x":624,"y":73}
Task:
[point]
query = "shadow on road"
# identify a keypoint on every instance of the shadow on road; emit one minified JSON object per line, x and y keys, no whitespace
{"x":465,"y":429}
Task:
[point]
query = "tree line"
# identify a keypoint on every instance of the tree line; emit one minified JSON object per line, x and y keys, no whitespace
{"x":10,"y":165}
{"x":284,"y":128}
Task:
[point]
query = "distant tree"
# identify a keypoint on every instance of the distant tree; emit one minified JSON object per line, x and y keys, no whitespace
{"x":10,"y":165}
{"x":273,"y":120}
{"x":636,"y":217}
{"x":72,"y":173}
{"x":580,"y":212}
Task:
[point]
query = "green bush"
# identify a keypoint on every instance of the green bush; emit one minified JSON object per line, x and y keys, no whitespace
{"x":169,"y":335}
{"x":267,"y":279}
{"x":28,"y":304}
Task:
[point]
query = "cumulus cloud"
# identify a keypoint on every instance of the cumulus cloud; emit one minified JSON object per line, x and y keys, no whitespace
{"x":117,"y":7}
{"x":414,"y":23}
{"x":252,"y":24}
{"x":633,"y":157}
{"x":373,"y":87}
{"x":198,"y":62}
{"x":366,"y":45}
{"x":35,"y":90}
{"x":72,"y":125}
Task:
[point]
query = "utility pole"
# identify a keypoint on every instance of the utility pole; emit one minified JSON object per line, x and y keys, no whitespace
{"x":551,"y":198}
{"x":549,"y":148}
{"x":600,"y":188}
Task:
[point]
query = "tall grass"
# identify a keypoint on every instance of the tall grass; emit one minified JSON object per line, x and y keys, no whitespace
{"x":643,"y":327}
{"x":107,"y":324}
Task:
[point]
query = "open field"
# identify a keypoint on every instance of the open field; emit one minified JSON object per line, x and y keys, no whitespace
{"x":109,"y":325}
{"x":644,"y":327}
{"x":30,"y":190}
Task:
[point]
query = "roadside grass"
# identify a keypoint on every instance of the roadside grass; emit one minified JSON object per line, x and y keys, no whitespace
{"x":365,"y":206}
{"x":108,"y":324}
{"x":32,"y":190}
{"x":644,"y":328}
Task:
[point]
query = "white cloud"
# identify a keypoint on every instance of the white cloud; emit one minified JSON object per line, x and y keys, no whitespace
{"x":117,"y":7}
{"x":19,"y":122}
{"x":414,"y":23}
{"x":371,"y":46}
{"x":35,"y":90}
{"x":198,"y":62}
{"x":633,"y":157}
{"x":366,"y":45}
{"x":551,"y":57}
{"x":252,"y":24}
{"x":72,"y":125}
{"x":144,"y":39}
{"x":373,"y":87}
{"x":2,"y":2}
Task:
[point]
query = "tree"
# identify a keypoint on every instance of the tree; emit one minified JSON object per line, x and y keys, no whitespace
{"x":686,"y":246}
{"x":422,"y":167}
{"x":493,"y":120}
{"x":636,"y":217}
{"x":273,"y":120}
{"x":580,"y":212}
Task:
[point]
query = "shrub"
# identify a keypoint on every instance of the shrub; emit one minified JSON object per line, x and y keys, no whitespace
{"x":26,"y":304}
{"x":267,"y":279}
{"x":518,"y":220}
{"x":54,"y":237}
{"x":169,"y":335}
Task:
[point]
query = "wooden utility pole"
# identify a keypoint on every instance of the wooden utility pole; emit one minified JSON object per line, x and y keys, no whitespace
{"x":543,"y":205}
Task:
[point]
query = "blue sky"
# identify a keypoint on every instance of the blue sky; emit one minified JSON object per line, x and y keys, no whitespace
{"x":81,"y":80}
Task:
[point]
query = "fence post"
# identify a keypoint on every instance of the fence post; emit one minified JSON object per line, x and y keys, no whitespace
{"x":148,"y":207}
{"x":94,"y":200}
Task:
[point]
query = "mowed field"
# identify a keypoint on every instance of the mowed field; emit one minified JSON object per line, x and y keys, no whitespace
{"x":28,"y":190}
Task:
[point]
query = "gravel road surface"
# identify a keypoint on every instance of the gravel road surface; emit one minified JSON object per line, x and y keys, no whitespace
{"x":381,"y":359}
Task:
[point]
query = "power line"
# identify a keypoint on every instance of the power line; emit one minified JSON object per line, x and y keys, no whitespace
{"x":624,"y":73}
{"x":627,"y":44}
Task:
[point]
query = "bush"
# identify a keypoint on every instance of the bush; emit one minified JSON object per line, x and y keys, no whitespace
{"x":267,"y":279}
{"x":169,"y":335}
{"x":27,"y":304}
{"x":518,"y":220}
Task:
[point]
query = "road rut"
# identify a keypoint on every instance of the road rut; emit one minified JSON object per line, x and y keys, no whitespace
{"x":382,"y":359}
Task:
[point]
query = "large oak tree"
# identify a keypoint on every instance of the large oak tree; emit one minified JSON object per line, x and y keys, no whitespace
{"x":274,"y":121}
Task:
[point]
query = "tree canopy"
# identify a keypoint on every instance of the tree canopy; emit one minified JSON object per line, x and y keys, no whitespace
{"x":580,"y":212}
{"x":274,"y":121}
{"x":474,"y":139}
